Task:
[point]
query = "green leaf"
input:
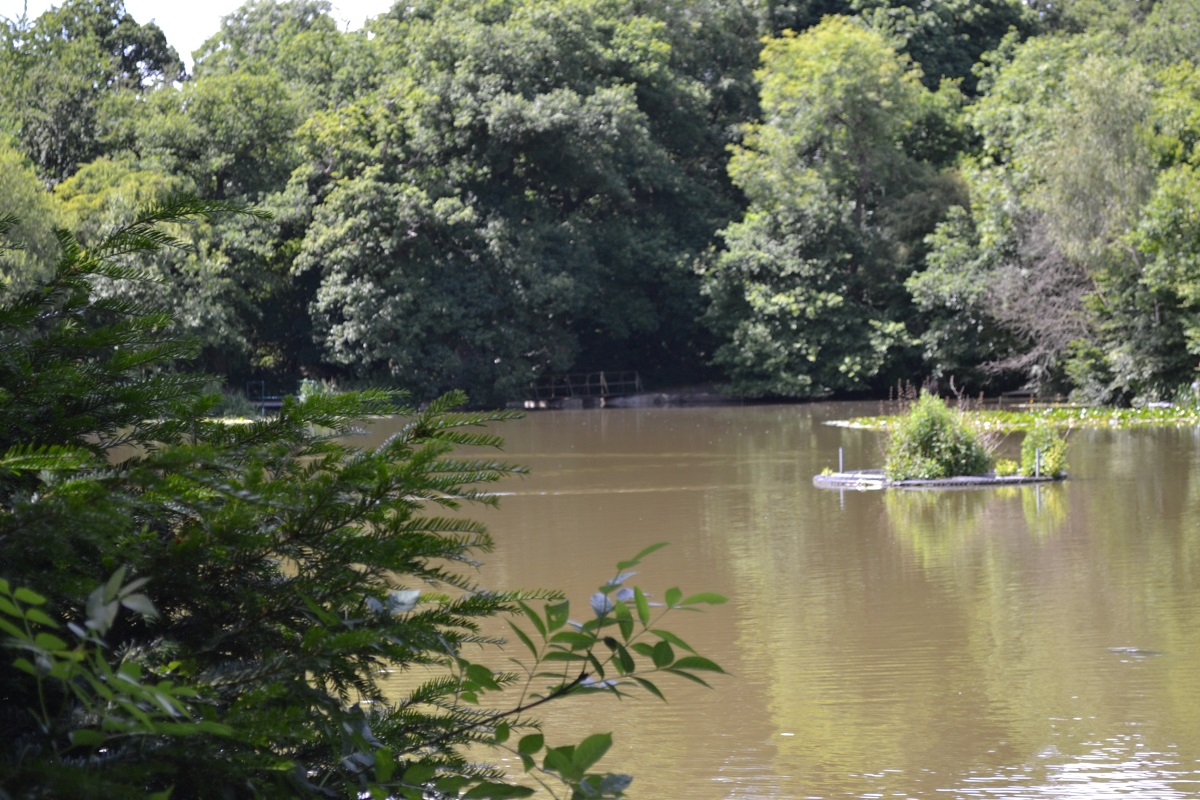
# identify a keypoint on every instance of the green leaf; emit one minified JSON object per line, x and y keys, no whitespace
{"x":624,"y":565}
{"x":524,"y":638}
{"x":673,"y":595}
{"x":48,"y":641}
{"x":531,"y":744}
{"x":643,"y":606}
{"x":663,"y":655}
{"x":28,"y":596}
{"x":557,"y":614}
{"x":559,"y":760}
{"x":419,"y":773}
{"x":624,"y":619}
{"x":502,"y":733}
{"x":573,"y":638}
{"x":533,"y":617}
{"x":697,"y":662}
{"x":650,"y":687}
{"x":709,"y":598}
{"x":482,"y":676}
{"x":591,"y":750}
{"x":497,"y":791}
{"x":36,"y":615}
{"x":385,"y":765}
{"x":673,"y":639}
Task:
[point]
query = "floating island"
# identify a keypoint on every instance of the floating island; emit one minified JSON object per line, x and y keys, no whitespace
{"x":865,"y":479}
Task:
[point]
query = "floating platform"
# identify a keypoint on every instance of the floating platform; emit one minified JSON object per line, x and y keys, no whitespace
{"x":868,"y":479}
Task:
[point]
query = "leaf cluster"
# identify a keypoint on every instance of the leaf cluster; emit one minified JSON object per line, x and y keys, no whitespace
{"x":195,"y":609}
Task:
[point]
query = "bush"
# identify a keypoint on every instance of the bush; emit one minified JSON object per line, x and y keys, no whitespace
{"x":933,"y":441}
{"x":1044,"y":452}
{"x":1006,"y":467}
{"x":193,"y":609}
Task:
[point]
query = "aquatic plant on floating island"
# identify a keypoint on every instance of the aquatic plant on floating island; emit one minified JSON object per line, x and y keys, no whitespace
{"x":933,"y":441}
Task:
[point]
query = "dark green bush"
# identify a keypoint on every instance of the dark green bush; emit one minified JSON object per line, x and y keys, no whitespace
{"x":933,"y":441}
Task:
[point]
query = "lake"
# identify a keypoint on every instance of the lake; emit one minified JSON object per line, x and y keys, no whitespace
{"x":1032,"y":642}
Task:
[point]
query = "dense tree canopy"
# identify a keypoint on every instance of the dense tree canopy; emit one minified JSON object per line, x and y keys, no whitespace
{"x":475,"y":194}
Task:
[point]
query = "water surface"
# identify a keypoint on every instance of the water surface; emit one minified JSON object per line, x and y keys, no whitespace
{"x":1031,"y":642}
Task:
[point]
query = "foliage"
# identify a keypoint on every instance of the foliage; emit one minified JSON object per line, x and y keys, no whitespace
{"x":198,"y":609}
{"x":1005,"y":467}
{"x":808,"y":297}
{"x":1044,"y":452}
{"x":934,"y":441}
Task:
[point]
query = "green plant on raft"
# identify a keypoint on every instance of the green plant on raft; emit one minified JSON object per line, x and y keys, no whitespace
{"x":1006,"y":467}
{"x":1044,"y":452}
{"x":933,"y":441}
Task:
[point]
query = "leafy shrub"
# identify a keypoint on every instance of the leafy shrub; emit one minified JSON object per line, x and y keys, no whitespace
{"x":1006,"y":467}
{"x":1044,"y":452}
{"x":933,"y":441}
{"x":274,"y":572}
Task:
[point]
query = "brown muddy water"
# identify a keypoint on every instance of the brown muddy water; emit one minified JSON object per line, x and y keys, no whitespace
{"x":1019,"y":642}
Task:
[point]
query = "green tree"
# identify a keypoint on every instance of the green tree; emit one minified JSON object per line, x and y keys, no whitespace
{"x":527,"y":192}
{"x":190,"y":608}
{"x":808,"y":297}
{"x":60,"y":71}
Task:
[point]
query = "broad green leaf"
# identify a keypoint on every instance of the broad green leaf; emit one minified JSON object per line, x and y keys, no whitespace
{"x":663,"y":655}
{"x":709,"y":598}
{"x":559,"y":760}
{"x":28,"y":596}
{"x":48,"y":641}
{"x":591,"y":750}
{"x":40,"y":617}
{"x":502,"y":733}
{"x":482,"y":676}
{"x":531,"y":744}
{"x":419,"y":773}
{"x":672,"y":597}
{"x":557,"y":614}
{"x":385,"y":764}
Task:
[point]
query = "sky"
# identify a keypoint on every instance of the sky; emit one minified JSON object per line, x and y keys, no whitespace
{"x":188,"y":23}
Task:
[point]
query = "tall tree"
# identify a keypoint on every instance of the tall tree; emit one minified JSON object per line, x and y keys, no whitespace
{"x":808,"y":297}
{"x":59,"y":72}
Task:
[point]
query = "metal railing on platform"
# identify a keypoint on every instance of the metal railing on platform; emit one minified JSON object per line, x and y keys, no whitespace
{"x":587,"y":384}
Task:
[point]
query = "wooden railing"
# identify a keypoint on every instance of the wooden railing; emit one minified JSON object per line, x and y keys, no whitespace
{"x":587,"y":384}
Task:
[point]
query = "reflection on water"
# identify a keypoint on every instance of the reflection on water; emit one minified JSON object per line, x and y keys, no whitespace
{"x":899,"y":644}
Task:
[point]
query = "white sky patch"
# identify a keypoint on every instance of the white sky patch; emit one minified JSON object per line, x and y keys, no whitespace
{"x":188,"y":24}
